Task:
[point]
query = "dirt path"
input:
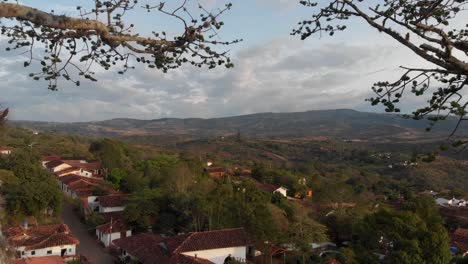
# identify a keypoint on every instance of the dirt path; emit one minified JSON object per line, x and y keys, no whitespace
{"x":88,"y":246}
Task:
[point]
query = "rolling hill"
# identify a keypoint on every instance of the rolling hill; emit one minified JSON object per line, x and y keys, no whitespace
{"x":314,"y":125}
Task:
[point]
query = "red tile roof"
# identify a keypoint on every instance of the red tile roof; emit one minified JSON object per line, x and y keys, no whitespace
{"x":145,"y":247}
{"x":115,"y":226}
{"x":91,"y":166}
{"x":224,"y":238}
{"x":113,"y":200}
{"x":54,"y":163}
{"x":119,"y":215}
{"x":460,"y":235}
{"x":267,"y":187}
{"x":3,"y":148}
{"x":67,"y":171}
{"x":150,"y":248}
{"x":50,"y":158}
{"x":215,"y":169}
{"x":40,"y":260}
{"x":41,"y":236}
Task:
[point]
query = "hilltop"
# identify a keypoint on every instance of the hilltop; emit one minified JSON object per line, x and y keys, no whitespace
{"x":314,"y":125}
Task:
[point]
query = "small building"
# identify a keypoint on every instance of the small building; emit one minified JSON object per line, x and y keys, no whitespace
{"x":48,"y":158}
{"x":216,"y":172}
{"x":112,"y":203}
{"x":40,"y":260}
{"x":5,"y":150}
{"x":115,"y":229}
{"x":459,"y":240}
{"x":41,"y":241}
{"x":56,"y":165}
{"x":211,"y":247}
{"x":273,"y":188}
{"x":73,"y":170}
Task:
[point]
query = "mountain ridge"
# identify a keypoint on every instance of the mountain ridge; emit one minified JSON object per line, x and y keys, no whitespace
{"x":334,"y":123}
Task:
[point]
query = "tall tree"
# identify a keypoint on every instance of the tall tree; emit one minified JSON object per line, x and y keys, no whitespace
{"x":100,"y":35}
{"x":435,"y":30}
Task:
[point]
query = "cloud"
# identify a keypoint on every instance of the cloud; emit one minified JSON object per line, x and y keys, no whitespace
{"x":277,"y":76}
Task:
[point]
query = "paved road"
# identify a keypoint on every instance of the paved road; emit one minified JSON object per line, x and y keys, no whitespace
{"x":88,"y":246}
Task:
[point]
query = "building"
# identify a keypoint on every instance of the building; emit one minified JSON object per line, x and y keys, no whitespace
{"x":40,"y":241}
{"x":112,"y":203}
{"x":216,"y":172}
{"x":49,"y":158}
{"x":211,"y":247}
{"x":115,"y":229}
{"x":5,"y":150}
{"x":459,"y":239}
{"x":40,"y":260}
{"x":273,"y":188}
{"x":75,"y":171}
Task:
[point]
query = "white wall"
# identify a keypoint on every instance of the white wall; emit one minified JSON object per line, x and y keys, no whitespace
{"x":218,"y":256}
{"x":42,"y":252}
{"x":60,"y":167}
{"x":111,"y":209}
{"x":282,"y":191}
{"x":106,"y":237}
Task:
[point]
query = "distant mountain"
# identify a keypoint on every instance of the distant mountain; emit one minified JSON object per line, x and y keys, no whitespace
{"x":341,"y":123}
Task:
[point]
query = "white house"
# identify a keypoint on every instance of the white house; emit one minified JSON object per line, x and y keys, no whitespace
{"x":198,"y":247}
{"x":57,"y":165}
{"x":40,"y":241}
{"x":111,"y":231}
{"x":112,"y":203}
{"x":442,"y":201}
{"x":281,"y":190}
{"x":5,"y":150}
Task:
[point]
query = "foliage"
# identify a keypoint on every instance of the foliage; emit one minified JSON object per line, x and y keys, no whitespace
{"x":32,"y":190}
{"x":414,"y":235}
{"x":110,"y":40}
{"x":429,"y":29}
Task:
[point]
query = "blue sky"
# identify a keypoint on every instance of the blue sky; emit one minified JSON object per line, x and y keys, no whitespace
{"x":274,"y":71}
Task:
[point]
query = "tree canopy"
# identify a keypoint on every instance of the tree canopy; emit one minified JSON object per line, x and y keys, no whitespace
{"x":433,"y":29}
{"x":100,"y":36}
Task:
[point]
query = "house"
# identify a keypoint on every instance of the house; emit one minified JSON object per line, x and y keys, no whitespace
{"x":73,"y":170}
{"x":115,"y":229}
{"x":459,"y":239}
{"x":49,"y":158}
{"x":5,"y":150}
{"x":77,"y":186}
{"x":40,"y":241}
{"x":273,"y":188}
{"x":56,"y":165}
{"x":112,"y":203}
{"x":40,"y":260}
{"x":216,"y":172}
{"x":211,"y":247}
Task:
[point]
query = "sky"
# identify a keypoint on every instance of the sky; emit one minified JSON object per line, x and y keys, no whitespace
{"x":274,"y":72}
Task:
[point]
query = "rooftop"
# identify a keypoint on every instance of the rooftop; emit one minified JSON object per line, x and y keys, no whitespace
{"x":150,"y":248}
{"x":113,"y":200}
{"x":40,"y":236}
{"x":40,"y":260}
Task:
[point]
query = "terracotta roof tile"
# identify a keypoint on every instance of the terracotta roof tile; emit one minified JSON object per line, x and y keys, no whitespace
{"x":150,"y":248}
{"x":40,"y":236}
{"x":54,"y":163}
{"x":225,"y":238}
{"x":117,"y":226}
{"x":50,"y":158}
{"x":40,"y":260}
{"x":113,"y":200}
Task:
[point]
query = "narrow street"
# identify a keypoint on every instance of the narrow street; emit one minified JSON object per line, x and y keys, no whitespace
{"x":88,"y":246}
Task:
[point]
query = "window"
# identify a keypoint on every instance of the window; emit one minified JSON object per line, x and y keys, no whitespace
{"x":33,"y":253}
{"x":22,"y":253}
{"x":69,"y":250}
{"x":49,"y":252}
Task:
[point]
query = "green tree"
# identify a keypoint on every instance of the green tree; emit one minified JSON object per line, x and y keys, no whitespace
{"x":32,"y":190}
